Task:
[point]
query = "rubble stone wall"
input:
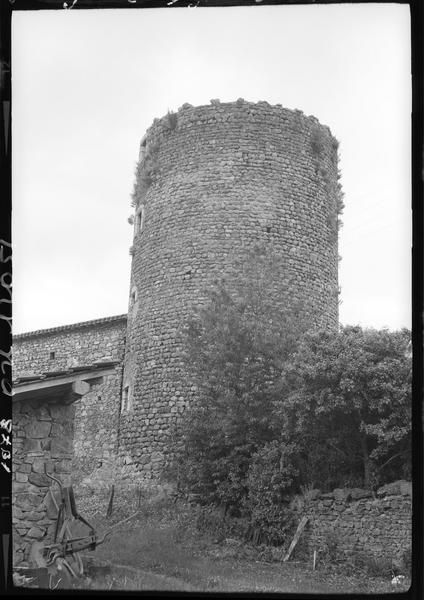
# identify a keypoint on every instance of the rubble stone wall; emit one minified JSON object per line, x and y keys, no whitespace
{"x":72,"y":345}
{"x":42,"y":441}
{"x":352,"y":522}
{"x":213,"y":183}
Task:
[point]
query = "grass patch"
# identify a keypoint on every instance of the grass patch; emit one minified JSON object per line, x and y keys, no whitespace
{"x":180,"y":547}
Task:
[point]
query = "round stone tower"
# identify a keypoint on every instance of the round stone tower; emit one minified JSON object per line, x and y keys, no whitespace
{"x":213,"y":181}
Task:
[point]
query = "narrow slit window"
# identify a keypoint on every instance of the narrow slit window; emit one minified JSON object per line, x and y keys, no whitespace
{"x":139,"y":220}
{"x":125,"y":395}
{"x":129,"y":401}
{"x":133,"y":297}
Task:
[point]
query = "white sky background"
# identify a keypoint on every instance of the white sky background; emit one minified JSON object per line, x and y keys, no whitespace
{"x":87,"y":84}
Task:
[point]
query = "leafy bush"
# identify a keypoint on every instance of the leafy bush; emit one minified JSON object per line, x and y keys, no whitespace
{"x":145,"y":172}
{"x":236,"y":345}
{"x":279,"y":408}
{"x":269,"y":483}
{"x":213,"y":521}
{"x":350,"y":405}
{"x":317,"y":141}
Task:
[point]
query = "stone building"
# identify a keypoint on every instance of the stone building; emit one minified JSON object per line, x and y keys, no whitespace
{"x":43,"y":425}
{"x":212,"y":183}
{"x":66,"y":348}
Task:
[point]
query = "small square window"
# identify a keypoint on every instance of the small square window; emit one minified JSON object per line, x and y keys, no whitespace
{"x":52,"y":355}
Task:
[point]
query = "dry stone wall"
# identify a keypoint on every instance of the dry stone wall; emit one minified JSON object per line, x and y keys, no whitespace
{"x":352,"y":521}
{"x":97,"y":413}
{"x":42,"y":441}
{"x":214,"y":182}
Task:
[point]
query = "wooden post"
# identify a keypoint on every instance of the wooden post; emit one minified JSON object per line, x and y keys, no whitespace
{"x":299,"y":530}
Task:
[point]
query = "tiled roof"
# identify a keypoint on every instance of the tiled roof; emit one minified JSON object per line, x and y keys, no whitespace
{"x":70,"y":327}
{"x":54,"y":374}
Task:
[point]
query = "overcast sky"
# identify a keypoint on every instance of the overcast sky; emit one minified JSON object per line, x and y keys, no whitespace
{"x":87,"y":84}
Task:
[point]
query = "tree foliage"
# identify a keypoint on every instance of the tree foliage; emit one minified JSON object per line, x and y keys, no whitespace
{"x":271,"y":480}
{"x":349,"y":401}
{"x":237,"y":344}
{"x":280,"y":407}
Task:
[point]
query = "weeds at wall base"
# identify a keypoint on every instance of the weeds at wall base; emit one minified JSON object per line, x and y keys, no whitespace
{"x":184,"y":541}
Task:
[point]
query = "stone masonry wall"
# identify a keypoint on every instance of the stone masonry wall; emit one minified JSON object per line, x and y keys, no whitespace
{"x":214,"y":182}
{"x":97,"y":425}
{"x":353,"y":521}
{"x":76,"y":344}
{"x":97,"y":413}
{"x":42,"y":440}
